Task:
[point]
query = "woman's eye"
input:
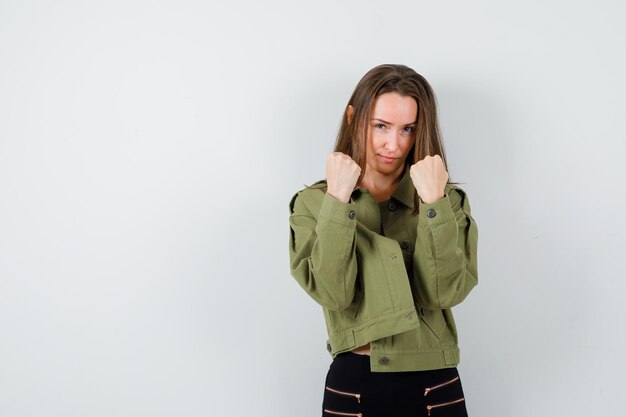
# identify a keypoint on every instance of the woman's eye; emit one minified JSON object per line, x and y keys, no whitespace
{"x":379,"y":125}
{"x":409,"y":129}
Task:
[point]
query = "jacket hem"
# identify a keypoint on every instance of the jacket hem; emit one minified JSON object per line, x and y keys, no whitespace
{"x":398,"y":322}
{"x":400,"y":361}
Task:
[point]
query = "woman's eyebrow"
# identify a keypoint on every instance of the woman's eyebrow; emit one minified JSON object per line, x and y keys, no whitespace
{"x":389,"y":123}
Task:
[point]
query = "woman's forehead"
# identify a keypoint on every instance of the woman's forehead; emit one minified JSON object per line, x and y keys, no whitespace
{"x":393,"y":108}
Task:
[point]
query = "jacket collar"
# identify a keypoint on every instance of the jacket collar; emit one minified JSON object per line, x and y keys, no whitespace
{"x":404,"y":192}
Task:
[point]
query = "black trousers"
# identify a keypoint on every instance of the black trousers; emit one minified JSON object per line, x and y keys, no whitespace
{"x":352,"y":389}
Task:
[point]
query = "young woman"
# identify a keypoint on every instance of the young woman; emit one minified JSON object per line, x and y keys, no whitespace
{"x":387,"y":246}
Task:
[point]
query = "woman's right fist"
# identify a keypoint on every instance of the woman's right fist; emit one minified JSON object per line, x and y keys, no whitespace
{"x":342,"y":174}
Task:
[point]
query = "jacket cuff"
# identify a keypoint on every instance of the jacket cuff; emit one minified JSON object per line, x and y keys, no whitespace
{"x":436,"y":213}
{"x":337,"y":211}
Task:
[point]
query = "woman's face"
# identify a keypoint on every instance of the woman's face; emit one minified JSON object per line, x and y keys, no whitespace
{"x":391,"y":133}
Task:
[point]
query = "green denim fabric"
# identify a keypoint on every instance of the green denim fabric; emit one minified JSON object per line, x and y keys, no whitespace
{"x":384,"y":275}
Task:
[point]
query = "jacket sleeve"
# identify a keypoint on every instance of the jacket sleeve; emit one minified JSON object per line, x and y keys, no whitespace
{"x":322,"y":251}
{"x":445,"y":265}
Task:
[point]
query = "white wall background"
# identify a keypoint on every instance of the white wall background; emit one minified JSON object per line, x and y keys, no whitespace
{"x":148,"y":151}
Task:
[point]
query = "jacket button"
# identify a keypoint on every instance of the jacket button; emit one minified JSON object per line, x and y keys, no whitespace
{"x":422,"y":311}
{"x":383,"y":360}
{"x":328,"y":347}
{"x":351,"y":214}
{"x":404,"y":244}
{"x":431,"y":213}
{"x":392,"y":206}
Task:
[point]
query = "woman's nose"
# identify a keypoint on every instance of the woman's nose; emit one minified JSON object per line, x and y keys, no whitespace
{"x":392,"y":141}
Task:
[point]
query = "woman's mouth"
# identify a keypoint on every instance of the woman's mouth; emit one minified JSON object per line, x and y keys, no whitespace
{"x":387,"y":159}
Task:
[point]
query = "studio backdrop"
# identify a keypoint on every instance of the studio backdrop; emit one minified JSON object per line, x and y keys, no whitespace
{"x":149,"y":150}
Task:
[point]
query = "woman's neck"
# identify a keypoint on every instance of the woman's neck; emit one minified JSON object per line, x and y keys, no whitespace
{"x":379,"y":185}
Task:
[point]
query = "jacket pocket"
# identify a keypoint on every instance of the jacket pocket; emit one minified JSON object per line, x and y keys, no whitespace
{"x":446,"y":404}
{"x":434,"y":320}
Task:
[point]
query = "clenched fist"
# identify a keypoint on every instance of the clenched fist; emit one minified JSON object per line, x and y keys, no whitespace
{"x":342,"y":174}
{"x":429,"y":178}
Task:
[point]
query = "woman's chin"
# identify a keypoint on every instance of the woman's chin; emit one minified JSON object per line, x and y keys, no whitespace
{"x":388,"y":169}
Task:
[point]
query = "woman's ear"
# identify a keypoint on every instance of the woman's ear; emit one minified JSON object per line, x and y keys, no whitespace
{"x":349,"y":111}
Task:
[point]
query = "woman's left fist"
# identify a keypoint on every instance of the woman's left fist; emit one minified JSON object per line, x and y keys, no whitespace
{"x":429,"y":178}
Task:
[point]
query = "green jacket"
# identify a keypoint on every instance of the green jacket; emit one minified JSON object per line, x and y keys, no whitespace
{"x":383,"y":275}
